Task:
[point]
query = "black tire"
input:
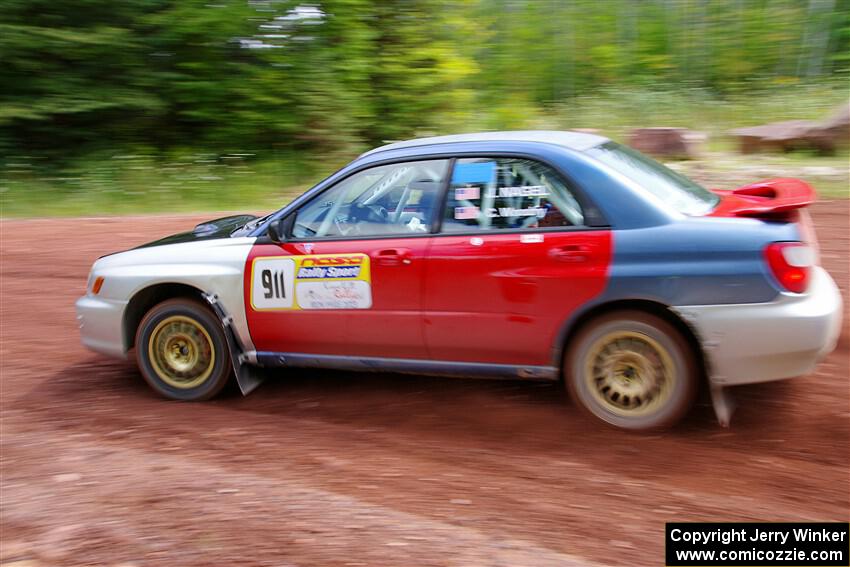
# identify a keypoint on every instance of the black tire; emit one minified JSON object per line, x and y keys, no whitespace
{"x":632,"y":370}
{"x":189,"y":330}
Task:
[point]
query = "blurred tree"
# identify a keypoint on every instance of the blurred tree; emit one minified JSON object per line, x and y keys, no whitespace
{"x":70,"y":71}
{"x":77,"y":76}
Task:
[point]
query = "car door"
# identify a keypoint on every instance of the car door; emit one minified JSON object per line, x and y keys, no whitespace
{"x":513,"y":260}
{"x":348,"y":279}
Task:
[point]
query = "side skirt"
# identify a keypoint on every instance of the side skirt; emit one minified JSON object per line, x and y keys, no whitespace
{"x":404,"y":365}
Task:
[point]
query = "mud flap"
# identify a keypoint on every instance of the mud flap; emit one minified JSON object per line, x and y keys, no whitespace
{"x":248,"y":377}
{"x":724,"y":404}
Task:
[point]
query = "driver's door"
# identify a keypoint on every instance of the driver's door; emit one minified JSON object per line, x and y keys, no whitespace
{"x":348,"y":280}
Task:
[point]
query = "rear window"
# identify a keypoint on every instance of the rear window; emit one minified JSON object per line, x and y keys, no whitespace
{"x":674,"y":189}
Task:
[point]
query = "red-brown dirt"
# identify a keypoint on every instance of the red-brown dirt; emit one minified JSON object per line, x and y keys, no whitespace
{"x":330,"y":468}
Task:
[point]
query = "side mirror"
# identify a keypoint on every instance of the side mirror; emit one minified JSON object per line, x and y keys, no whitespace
{"x":277,"y":231}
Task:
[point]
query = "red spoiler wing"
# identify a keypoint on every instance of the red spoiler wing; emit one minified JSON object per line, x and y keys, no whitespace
{"x":768,"y":197}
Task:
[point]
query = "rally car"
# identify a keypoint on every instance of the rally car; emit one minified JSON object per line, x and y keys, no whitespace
{"x":536,"y":255}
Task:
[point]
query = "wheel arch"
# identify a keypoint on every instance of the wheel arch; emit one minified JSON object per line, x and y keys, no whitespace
{"x":146,"y":298}
{"x":572,"y":327}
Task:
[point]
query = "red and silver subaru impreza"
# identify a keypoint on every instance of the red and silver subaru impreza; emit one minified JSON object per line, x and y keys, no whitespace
{"x":540,"y":255}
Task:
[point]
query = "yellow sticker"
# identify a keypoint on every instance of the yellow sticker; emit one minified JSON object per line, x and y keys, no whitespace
{"x":318,"y":281}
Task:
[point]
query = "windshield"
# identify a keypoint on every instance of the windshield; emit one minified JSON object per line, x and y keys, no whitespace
{"x":674,"y":189}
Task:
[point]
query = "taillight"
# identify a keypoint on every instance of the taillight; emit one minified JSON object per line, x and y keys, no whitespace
{"x":790,"y":263}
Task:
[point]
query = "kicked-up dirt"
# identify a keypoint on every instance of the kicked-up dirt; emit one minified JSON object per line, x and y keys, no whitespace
{"x":329,"y":468}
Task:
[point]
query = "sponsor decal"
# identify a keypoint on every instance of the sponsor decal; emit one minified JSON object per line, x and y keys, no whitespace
{"x":321,"y":281}
{"x":306,"y":272}
{"x":334,"y":295}
{"x":333,"y":260}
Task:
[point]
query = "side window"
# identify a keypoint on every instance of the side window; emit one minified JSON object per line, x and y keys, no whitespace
{"x":508,"y":193}
{"x":397,"y":199}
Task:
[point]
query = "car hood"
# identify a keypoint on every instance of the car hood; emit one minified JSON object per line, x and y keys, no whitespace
{"x":217,"y":228}
{"x":194,"y":257}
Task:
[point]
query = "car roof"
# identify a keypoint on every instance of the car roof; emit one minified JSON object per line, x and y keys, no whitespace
{"x":579,"y":141}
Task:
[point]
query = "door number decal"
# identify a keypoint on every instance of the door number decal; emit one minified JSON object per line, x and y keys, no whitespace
{"x":320,"y":281}
{"x":272,"y":283}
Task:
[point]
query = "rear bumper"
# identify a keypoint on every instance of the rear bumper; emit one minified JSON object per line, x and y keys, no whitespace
{"x":759,"y":342}
{"x":100,"y":323}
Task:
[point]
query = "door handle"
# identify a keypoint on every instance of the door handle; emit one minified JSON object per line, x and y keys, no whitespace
{"x":392,"y":257}
{"x":570,"y":253}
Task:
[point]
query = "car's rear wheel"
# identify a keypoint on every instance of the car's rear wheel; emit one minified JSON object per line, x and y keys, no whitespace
{"x":182,"y":351}
{"x":632,"y":370}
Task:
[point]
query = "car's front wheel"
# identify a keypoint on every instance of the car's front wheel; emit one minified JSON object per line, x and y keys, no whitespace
{"x":182,"y":351}
{"x":632,"y":370}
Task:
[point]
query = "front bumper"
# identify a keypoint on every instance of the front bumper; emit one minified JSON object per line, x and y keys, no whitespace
{"x":759,"y":342}
{"x":100,"y":323}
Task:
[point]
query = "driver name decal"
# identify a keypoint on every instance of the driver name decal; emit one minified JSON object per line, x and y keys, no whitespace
{"x":320,"y":281}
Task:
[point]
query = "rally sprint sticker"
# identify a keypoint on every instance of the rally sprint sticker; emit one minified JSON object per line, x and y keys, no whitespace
{"x":319,"y":281}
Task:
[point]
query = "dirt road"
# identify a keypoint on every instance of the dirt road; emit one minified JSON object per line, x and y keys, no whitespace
{"x":321,"y":468}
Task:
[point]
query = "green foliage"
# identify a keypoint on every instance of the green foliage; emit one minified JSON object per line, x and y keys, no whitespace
{"x":135,"y":181}
{"x":84,"y":81}
{"x":124,"y":183}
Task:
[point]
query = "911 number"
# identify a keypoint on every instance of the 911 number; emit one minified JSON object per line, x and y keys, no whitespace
{"x":273,"y":283}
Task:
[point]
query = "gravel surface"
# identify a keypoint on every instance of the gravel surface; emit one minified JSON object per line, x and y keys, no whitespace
{"x":332,"y":468}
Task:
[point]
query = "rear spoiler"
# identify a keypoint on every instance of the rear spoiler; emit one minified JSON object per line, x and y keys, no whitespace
{"x":769,"y":197}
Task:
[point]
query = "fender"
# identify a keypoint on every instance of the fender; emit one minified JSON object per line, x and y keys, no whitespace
{"x":701,"y":266}
{"x":213,"y":267}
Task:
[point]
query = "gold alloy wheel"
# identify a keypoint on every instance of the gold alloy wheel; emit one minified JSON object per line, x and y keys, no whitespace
{"x":629,"y":373}
{"x":181,"y":352}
